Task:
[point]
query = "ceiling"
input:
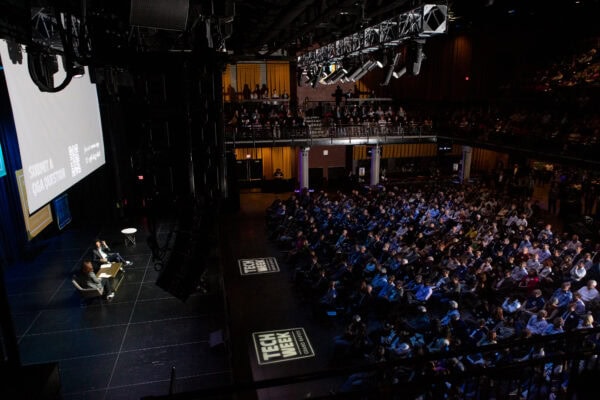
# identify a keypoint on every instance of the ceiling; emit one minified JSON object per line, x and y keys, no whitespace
{"x":266,"y":26}
{"x":246,"y":29}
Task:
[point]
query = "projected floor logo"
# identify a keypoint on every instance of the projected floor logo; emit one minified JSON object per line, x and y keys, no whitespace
{"x":281,"y":346}
{"x":254,"y":266}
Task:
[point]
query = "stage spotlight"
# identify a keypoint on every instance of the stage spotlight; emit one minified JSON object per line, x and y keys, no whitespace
{"x":391,"y":70}
{"x":416,"y":57}
{"x":368,"y":66}
{"x":362,"y":73}
{"x":353,"y":72}
{"x":336,"y":73}
{"x":388,"y":75}
{"x":341,"y":74}
{"x":399,"y":73}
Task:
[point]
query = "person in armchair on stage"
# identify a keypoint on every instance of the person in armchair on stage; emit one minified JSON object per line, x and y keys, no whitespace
{"x":103,"y":254}
{"x":87,"y":279}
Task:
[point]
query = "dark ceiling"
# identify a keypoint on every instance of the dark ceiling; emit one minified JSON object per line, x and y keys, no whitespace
{"x":246,"y":29}
{"x":294,"y":25}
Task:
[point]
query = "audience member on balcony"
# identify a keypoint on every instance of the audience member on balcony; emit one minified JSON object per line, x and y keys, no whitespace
{"x":246,"y":92}
{"x":256,"y":92}
{"x":338,"y":94}
{"x":231,"y":93}
{"x":264,"y":91}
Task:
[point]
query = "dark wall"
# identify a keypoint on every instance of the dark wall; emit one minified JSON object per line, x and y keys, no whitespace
{"x":163,"y":119}
{"x":496,"y":56}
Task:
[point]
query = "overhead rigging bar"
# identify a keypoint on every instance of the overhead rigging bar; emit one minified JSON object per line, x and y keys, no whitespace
{"x":421,"y":22}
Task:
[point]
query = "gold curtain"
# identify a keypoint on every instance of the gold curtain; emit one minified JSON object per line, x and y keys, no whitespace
{"x":398,"y":151}
{"x":278,"y":77}
{"x":272,"y":158}
{"x":226,"y":79}
{"x":247,"y":74}
{"x":359,"y":152}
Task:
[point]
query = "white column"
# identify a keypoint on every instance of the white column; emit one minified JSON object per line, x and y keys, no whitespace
{"x":467,"y":155}
{"x":375,"y":164}
{"x":304,"y":168}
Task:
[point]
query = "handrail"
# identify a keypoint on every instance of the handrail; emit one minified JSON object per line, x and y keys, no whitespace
{"x":333,"y":131}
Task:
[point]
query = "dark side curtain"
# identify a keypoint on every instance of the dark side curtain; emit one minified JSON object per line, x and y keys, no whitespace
{"x":12,"y":228}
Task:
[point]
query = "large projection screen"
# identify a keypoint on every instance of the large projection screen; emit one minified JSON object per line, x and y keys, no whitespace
{"x":59,"y":134}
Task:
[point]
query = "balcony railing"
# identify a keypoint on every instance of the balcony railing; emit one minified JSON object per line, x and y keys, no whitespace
{"x":353,"y":133}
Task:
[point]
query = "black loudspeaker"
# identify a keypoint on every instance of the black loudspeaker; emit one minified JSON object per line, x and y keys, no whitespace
{"x":160,"y":14}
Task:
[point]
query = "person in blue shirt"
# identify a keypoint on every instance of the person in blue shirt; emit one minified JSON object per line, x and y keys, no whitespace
{"x":342,"y":239}
{"x":380,"y":280}
{"x":534,"y":303}
{"x":563,"y":295}
{"x":555,"y":327}
{"x":424,"y":291}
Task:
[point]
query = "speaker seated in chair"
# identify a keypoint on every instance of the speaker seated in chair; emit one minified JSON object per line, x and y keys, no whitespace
{"x":90,"y":286}
{"x":87,"y":294}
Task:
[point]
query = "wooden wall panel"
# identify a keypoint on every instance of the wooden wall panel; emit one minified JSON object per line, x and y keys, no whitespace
{"x":486,"y":160}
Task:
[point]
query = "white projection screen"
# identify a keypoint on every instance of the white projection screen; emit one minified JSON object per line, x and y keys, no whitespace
{"x":59,"y":134}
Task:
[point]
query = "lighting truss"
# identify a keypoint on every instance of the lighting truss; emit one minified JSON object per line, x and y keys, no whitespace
{"x":422,"y":22}
{"x":59,"y":32}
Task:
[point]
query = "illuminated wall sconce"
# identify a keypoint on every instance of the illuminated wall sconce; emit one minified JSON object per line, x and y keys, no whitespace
{"x":248,"y":156}
{"x":325,"y":152}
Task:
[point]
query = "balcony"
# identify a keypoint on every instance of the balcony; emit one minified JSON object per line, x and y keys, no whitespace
{"x":314,"y":132}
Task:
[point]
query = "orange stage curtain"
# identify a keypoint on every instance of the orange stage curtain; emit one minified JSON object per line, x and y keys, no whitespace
{"x":278,"y":77}
{"x":247,"y":74}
